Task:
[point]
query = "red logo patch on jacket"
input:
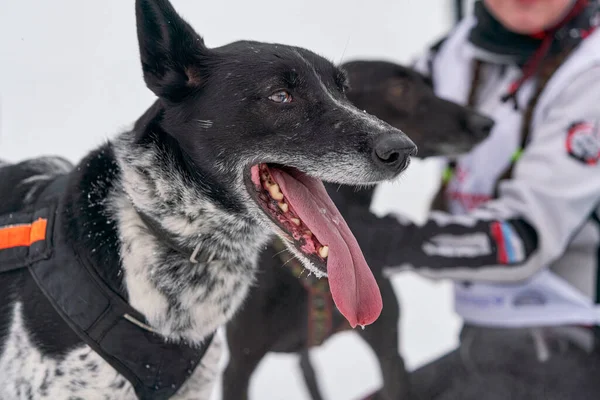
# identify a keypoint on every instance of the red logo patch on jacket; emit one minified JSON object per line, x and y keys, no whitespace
{"x":583,"y":142}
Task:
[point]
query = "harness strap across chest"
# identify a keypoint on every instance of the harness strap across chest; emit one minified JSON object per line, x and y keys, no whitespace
{"x":34,"y":239}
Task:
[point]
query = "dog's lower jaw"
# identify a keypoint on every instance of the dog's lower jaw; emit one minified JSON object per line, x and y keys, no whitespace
{"x":306,"y":263}
{"x":268,"y":225}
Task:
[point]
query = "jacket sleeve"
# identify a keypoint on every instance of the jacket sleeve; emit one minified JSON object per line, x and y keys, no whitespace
{"x":555,"y":189}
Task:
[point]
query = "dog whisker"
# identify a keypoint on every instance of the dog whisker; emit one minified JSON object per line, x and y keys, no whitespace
{"x":279,"y":252}
{"x":289,"y":260}
{"x":345,"y":48}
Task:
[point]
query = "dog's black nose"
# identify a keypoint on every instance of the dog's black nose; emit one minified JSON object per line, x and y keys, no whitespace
{"x":479,"y":125}
{"x":393,"y":151}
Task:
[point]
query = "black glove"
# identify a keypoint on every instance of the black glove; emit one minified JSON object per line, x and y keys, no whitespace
{"x":441,"y":244}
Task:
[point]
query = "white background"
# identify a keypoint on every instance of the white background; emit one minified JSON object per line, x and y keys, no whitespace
{"x":70,"y":78}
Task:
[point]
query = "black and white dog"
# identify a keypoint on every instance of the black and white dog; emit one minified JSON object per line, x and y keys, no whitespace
{"x":170,"y":218}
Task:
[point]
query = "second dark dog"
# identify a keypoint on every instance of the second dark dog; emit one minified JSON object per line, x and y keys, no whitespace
{"x":289,"y":313}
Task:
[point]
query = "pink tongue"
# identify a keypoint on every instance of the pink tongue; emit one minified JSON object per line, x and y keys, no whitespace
{"x":353,"y":287}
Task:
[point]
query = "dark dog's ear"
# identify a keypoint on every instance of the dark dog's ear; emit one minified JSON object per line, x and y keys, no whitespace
{"x":174,"y":57}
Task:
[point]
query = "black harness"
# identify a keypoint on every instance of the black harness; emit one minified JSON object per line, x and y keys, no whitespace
{"x":99,"y":315}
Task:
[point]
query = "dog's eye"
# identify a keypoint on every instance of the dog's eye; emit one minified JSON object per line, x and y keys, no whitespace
{"x":397,"y":88}
{"x":281,"y":97}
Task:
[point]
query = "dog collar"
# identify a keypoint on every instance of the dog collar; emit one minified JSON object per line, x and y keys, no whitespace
{"x":196,"y":255}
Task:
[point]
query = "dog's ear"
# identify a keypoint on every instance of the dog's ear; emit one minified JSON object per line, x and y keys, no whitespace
{"x":174,"y":57}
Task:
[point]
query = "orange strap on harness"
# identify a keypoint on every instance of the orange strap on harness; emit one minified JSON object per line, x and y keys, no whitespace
{"x":26,"y":236}
{"x":23,"y":235}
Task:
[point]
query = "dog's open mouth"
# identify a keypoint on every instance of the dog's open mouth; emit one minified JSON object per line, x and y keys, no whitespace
{"x":300,"y":206}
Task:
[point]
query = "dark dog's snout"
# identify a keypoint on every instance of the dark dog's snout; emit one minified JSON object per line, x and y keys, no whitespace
{"x":393,"y":151}
{"x":479,"y":125}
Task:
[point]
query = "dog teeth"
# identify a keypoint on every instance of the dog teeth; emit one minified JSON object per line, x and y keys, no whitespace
{"x":284,"y":207}
{"x":324,"y":251}
{"x":274,"y":191}
{"x":296,"y":221}
{"x":308,"y":233}
{"x":271,"y":186}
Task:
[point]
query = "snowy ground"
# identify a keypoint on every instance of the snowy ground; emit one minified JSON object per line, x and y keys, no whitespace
{"x":70,"y":77}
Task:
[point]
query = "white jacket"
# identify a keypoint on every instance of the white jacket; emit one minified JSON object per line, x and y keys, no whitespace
{"x":555,"y":190}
